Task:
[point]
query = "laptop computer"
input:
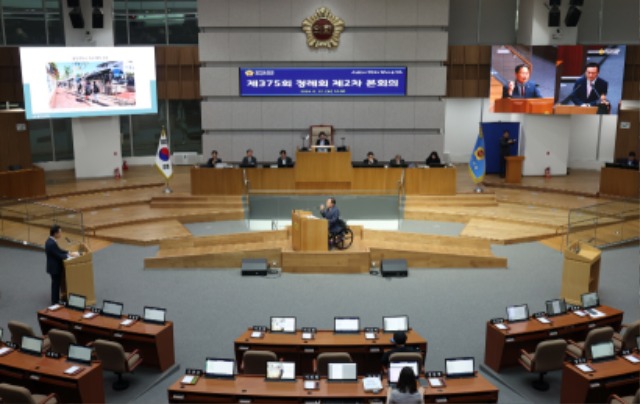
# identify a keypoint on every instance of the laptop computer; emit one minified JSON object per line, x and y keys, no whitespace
{"x":396,"y":367}
{"x":556,"y":307}
{"x":285,"y":325}
{"x":342,"y":372}
{"x":77,"y":302}
{"x":154,"y":315}
{"x":519,"y":312}
{"x":79,"y":354}
{"x":590,"y":301}
{"x":395,"y":323}
{"x":602,"y":351}
{"x":346,"y":325}
{"x":459,"y":367}
{"x":219,"y":368}
{"x":281,"y":371}
{"x":31,"y":345}
{"x":112,"y":309}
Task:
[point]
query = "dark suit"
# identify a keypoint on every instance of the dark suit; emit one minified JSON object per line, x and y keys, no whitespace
{"x":323,"y":142}
{"x":249,"y":162}
{"x":579,"y":95}
{"x":531,"y":90}
{"x":332,"y":215}
{"x":366,"y":161}
{"x":287,"y":162}
{"x":55,"y":266}
{"x":211,"y":163}
{"x":394,"y":163}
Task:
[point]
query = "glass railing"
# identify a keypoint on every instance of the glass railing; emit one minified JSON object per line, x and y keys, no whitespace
{"x":604,"y":225}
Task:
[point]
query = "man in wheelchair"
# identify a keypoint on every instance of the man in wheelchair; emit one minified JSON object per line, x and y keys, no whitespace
{"x":340,"y":235}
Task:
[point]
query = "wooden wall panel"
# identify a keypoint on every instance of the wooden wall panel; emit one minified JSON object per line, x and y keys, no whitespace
{"x":467,"y":71}
{"x":15,"y":149}
{"x":627,"y":139}
{"x":178,"y":72}
{"x":10,"y":75}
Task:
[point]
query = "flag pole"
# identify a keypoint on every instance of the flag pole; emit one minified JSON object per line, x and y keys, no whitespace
{"x":167,"y":188}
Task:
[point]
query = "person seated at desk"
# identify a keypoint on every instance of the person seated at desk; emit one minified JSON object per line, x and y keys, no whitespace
{"x":399,"y":340}
{"x":249,"y":160}
{"x":323,"y":141}
{"x":406,"y":390}
{"x":521,"y":87}
{"x":433,"y":158}
{"x":397,"y":162}
{"x":332,"y":214}
{"x":631,"y":160}
{"x":371,"y":159}
{"x":213,"y":160}
{"x":284,"y":160}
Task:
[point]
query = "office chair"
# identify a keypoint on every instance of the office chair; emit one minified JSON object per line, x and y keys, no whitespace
{"x":255,"y":362}
{"x":408,"y":357}
{"x":321,"y":363}
{"x":60,"y":341}
{"x":549,"y":355}
{"x":18,"y":330}
{"x":629,"y":337}
{"x":616,"y":399}
{"x":583,"y":349}
{"x":115,"y":359}
{"x":18,"y":394}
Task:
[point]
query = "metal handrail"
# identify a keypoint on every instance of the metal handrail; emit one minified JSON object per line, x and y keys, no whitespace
{"x":615,"y":213}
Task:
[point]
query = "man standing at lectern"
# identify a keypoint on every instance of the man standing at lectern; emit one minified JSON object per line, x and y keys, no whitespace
{"x":521,"y":87}
{"x":55,"y":258}
{"x":505,"y":144}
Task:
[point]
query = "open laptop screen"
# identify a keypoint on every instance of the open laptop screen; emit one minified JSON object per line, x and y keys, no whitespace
{"x":155,"y":315}
{"x":219,"y":368}
{"x":283,"y":371}
{"x":556,"y":307}
{"x":283,"y":324}
{"x":517,"y":313}
{"x":459,"y":367}
{"x":112,"y":309}
{"x":590,"y":300}
{"x":77,"y":302}
{"x":80,"y":354}
{"x":602,"y":351}
{"x":342,"y":372}
{"x":396,"y":367}
{"x":31,"y":345}
{"x":395,"y":323}
{"x":346,"y":325}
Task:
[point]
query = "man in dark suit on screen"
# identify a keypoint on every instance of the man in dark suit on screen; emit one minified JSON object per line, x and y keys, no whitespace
{"x":590,"y":90}
{"x":522,"y":87}
{"x":55,"y":258}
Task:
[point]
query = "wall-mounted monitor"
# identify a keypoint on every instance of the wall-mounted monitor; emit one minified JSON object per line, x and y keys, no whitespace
{"x":323,"y":81}
{"x":74,"y":82}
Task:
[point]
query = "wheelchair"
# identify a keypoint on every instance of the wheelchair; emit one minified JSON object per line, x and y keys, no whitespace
{"x":343,"y":238}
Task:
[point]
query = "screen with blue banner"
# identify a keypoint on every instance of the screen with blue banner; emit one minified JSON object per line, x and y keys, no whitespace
{"x":323,"y":81}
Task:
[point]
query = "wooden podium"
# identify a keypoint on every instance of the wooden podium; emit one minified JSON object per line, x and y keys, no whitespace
{"x":78,"y":275}
{"x":524,"y":105}
{"x":514,"y":169}
{"x":581,"y":271}
{"x":308,"y":233}
{"x":575,"y":110}
{"x":323,"y":170}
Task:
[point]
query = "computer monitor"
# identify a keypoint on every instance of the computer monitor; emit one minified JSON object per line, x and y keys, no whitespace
{"x":154,"y":315}
{"x":342,"y":372}
{"x":219,"y":368}
{"x":459,"y":367}
{"x":31,"y":345}
{"x":517,"y":313}
{"x":602,"y":351}
{"x":77,"y":302}
{"x":281,"y":371}
{"x":590,"y":300}
{"x":396,"y":367}
{"x":395,"y":323}
{"x":112,"y":309}
{"x":556,"y":307}
{"x":283,"y":325}
{"x":346,"y":325}
{"x":79,"y":354}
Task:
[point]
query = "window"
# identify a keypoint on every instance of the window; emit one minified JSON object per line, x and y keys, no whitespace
{"x":186,"y":126}
{"x":32,"y":22}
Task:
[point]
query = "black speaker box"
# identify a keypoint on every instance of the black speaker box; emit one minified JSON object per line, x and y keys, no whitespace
{"x":254,"y":267}
{"x":572,"y":17}
{"x":77,"y":20}
{"x":73,"y":3}
{"x":554,"y":17}
{"x":394,"y":268}
{"x":97,"y":19}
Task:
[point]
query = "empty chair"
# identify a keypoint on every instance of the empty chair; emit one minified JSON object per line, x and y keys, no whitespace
{"x":595,"y":336}
{"x":18,"y":330}
{"x":629,"y":337}
{"x":323,"y":360}
{"x":548,"y":356}
{"x":615,"y":399}
{"x":408,"y":357}
{"x":60,"y":341}
{"x":255,"y":362}
{"x":115,"y":359}
{"x":19,"y":395}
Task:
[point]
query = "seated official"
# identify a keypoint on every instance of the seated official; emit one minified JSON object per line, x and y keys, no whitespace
{"x":397,"y":162}
{"x":590,"y":89}
{"x":213,"y":160}
{"x":371,"y":159}
{"x":406,"y":390}
{"x":323,"y":141}
{"x":433,"y":158}
{"x":332,"y":214}
{"x":631,"y":160}
{"x":399,"y":340}
{"x":284,"y":160}
{"x":249,"y":160}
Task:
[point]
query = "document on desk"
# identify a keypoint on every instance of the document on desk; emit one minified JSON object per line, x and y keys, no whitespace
{"x":5,"y":350}
{"x":544,"y":320}
{"x":501,"y":326}
{"x":189,"y":379}
{"x":311,"y":385}
{"x":632,"y":358}
{"x":127,"y":322}
{"x":372,"y":384}
{"x":370,"y":335}
{"x":73,"y":370}
{"x":89,"y":315}
{"x":256,"y":334}
{"x":596,"y":313}
{"x":585,"y":368}
{"x":54,"y":307}
{"x":435,"y":382}
{"x":307,"y":335}
{"x":579,"y":313}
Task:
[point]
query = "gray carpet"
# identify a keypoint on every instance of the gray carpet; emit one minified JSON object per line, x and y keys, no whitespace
{"x":210,"y":308}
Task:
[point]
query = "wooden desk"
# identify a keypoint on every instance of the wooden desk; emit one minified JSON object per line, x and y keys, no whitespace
{"x":430,"y":181}
{"x":46,"y":375}
{"x":620,"y":182}
{"x":255,"y":388}
{"x":618,"y":376}
{"x":524,"y":105}
{"x":323,"y":170}
{"x":155,"y":342}
{"x":574,"y":110}
{"x":502,"y":347}
{"x":366,"y":353}
{"x":26,"y":183}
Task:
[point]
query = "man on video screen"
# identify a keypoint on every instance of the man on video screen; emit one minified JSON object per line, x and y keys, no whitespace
{"x":590,"y":90}
{"x":522,"y":87}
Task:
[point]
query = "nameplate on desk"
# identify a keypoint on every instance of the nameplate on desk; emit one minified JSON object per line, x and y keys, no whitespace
{"x":11,"y":345}
{"x":373,"y":330}
{"x":261,"y":328}
{"x":497,"y":320}
{"x":53,"y":355}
